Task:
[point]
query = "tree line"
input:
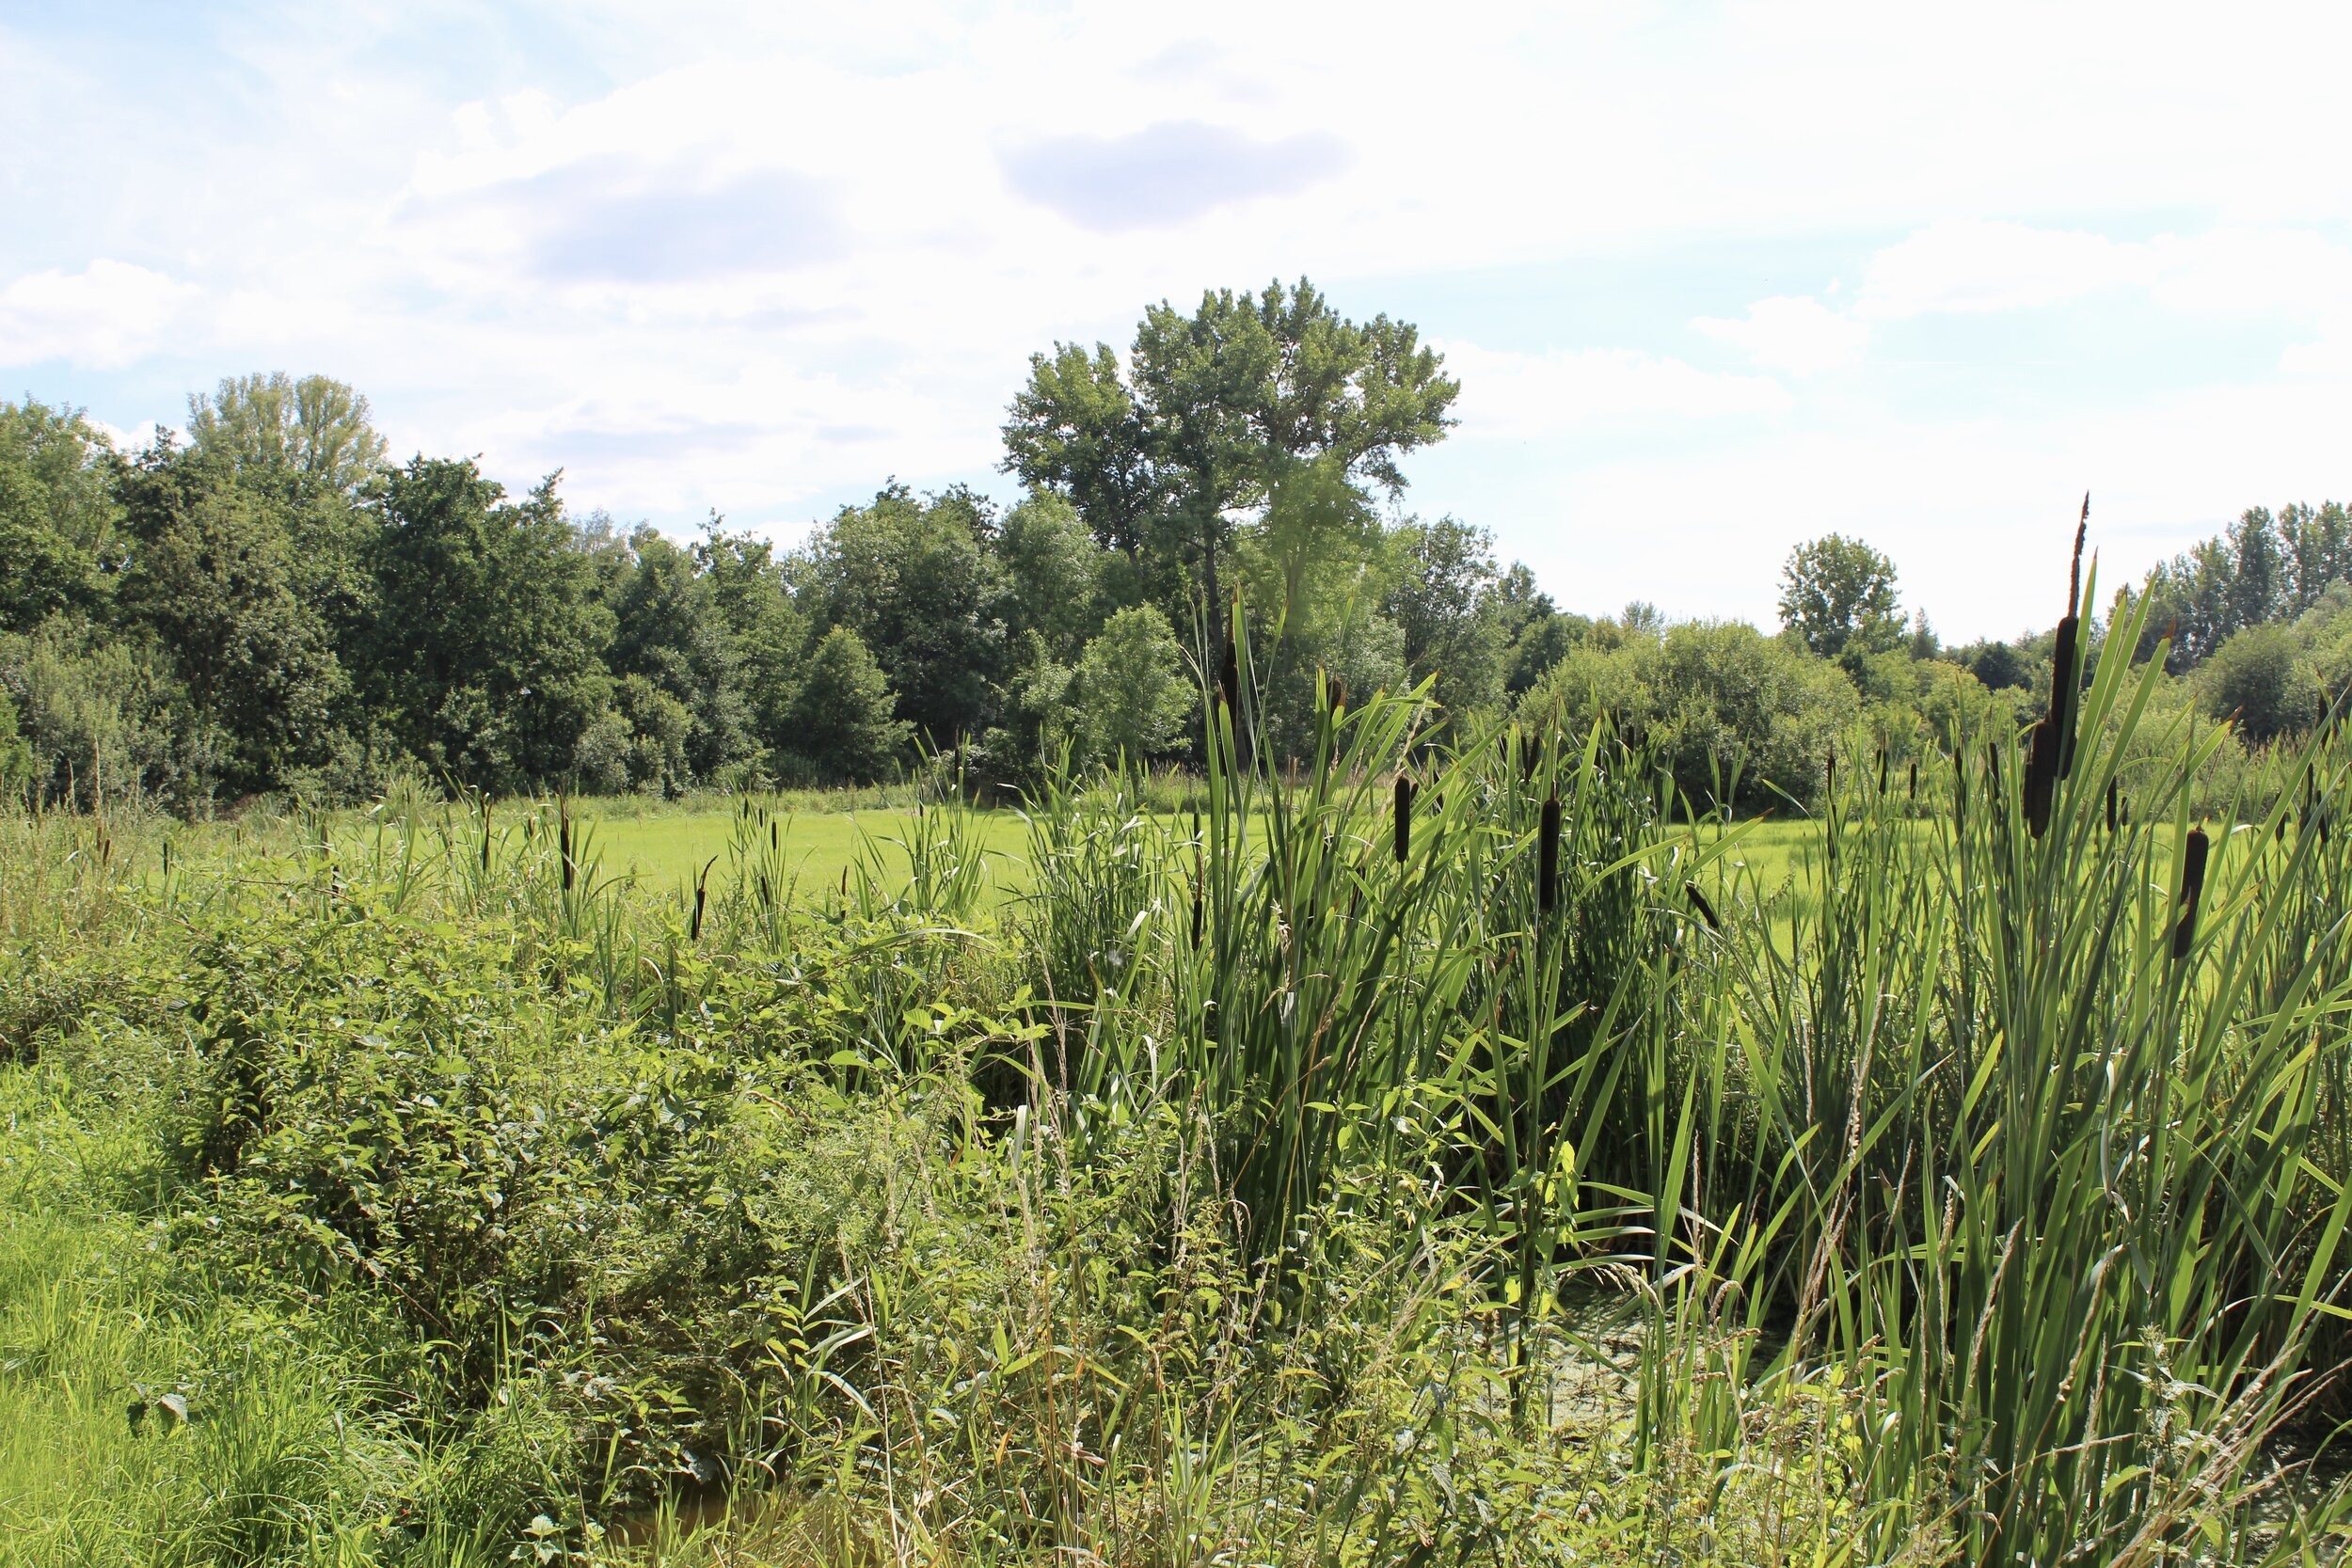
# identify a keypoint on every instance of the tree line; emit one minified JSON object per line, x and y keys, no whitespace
{"x":267,"y":604}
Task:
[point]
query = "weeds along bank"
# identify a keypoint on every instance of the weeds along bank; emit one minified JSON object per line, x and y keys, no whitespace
{"x":1440,"y":1156}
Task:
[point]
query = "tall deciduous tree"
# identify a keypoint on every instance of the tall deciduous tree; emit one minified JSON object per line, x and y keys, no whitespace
{"x":1838,"y":594}
{"x":1444,"y":599}
{"x":315,"y":429}
{"x":1166,"y":456}
{"x":215,"y":569}
{"x":842,"y":726}
{"x":487,"y":650}
{"x":57,"y":514}
{"x":911,"y":577}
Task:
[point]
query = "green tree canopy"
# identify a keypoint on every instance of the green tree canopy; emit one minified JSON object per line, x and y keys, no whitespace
{"x":487,"y":657}
{"x":2261,"y":680}
{"x":842,"y":724}
{"x":314,"y":430}
{"x":215,"y":569}
{"x":914,"y":578}
{"x":1129,"y":694}
{"x":57,"y":514}
{"x":1167,"y":455}
{"x":1838,"y":594}
{"x":1720,"y":701}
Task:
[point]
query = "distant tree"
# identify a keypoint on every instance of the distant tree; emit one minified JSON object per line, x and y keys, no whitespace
{"x":314,"y":429}
{"x":1129,"y":693}
{"x":1052,"y":573}
{"x":57,"y":514}
{"x":912,"y":578}
{"x":487,"y":657}
{"x":1998,"y":666}
{"x":842,"y":724}
{"x":671,"y":631}
{"x":2262,"y":680}
{"x":1924,"y":642}
{"x":1716,"y":700}
{"x":1536,"y":635}
{"x":1444,"y":600}
{"x":766,"y":629}
{"x":1838,"y":593}
{"x":1166,"y":456}
{"x":2317,"y":545}
{"x":215,"y":569}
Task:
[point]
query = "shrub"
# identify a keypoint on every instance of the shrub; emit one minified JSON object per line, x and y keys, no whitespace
{"x":1713,"y":698}
{"x":2261,"y":679}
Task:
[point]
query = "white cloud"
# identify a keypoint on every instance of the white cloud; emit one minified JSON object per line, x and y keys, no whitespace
{"x":743,"y":255}
{"x":1516,"y":396}
{"x":107,"y":314}
{"x":1795,"y":333}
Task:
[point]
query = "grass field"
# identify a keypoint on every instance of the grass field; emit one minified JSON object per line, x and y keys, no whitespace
{"x":665,"y":852}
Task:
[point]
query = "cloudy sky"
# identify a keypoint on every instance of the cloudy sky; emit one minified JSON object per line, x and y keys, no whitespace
{"x":1716,"y":278}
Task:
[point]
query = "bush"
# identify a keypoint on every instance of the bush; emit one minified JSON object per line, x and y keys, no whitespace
{"x":16,"y":757}
{"x":1716,"y":699}
{"x":2261,"y":679}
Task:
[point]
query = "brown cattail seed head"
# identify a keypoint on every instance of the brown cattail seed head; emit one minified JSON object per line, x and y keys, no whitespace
{"x":2065,"y":685}
{"x":2042,"y":771}
{"x":1200,"y":905}
{"x":2192,"y":889}
{"x":1404,"y":817}
{"x":1698,"y":902}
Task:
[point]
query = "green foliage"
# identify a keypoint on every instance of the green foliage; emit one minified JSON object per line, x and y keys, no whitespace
{"x":2264,"y":569}
{"x":56,"y":514}
{"x":1129,"y":695}
{"x":215,"y":570}
{"x":1215,"y":411}
{"x":1838,"y":594}
{"x":1559,"y":1173}
{"x":841,"y":722}
{"x":910,"y":578}
{"x":1736,"y":717}
{"x":672,"y":636}
{"x":485,"y":659}
{"x":16,"y":757}
{"x":1456,"y":628}
{"x":2262,"y":680}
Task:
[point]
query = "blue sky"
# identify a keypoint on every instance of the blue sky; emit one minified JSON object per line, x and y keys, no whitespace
{"x":1717,"y":278}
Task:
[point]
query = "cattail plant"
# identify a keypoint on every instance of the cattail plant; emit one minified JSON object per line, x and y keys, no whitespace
{"x":1404,"y":817}
{"x":1547,"y":856}
{"x":1698,"y":902}
{"x":2065,"y":690}
{"x":2193,"y":853}
{"x":702,"y":889}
